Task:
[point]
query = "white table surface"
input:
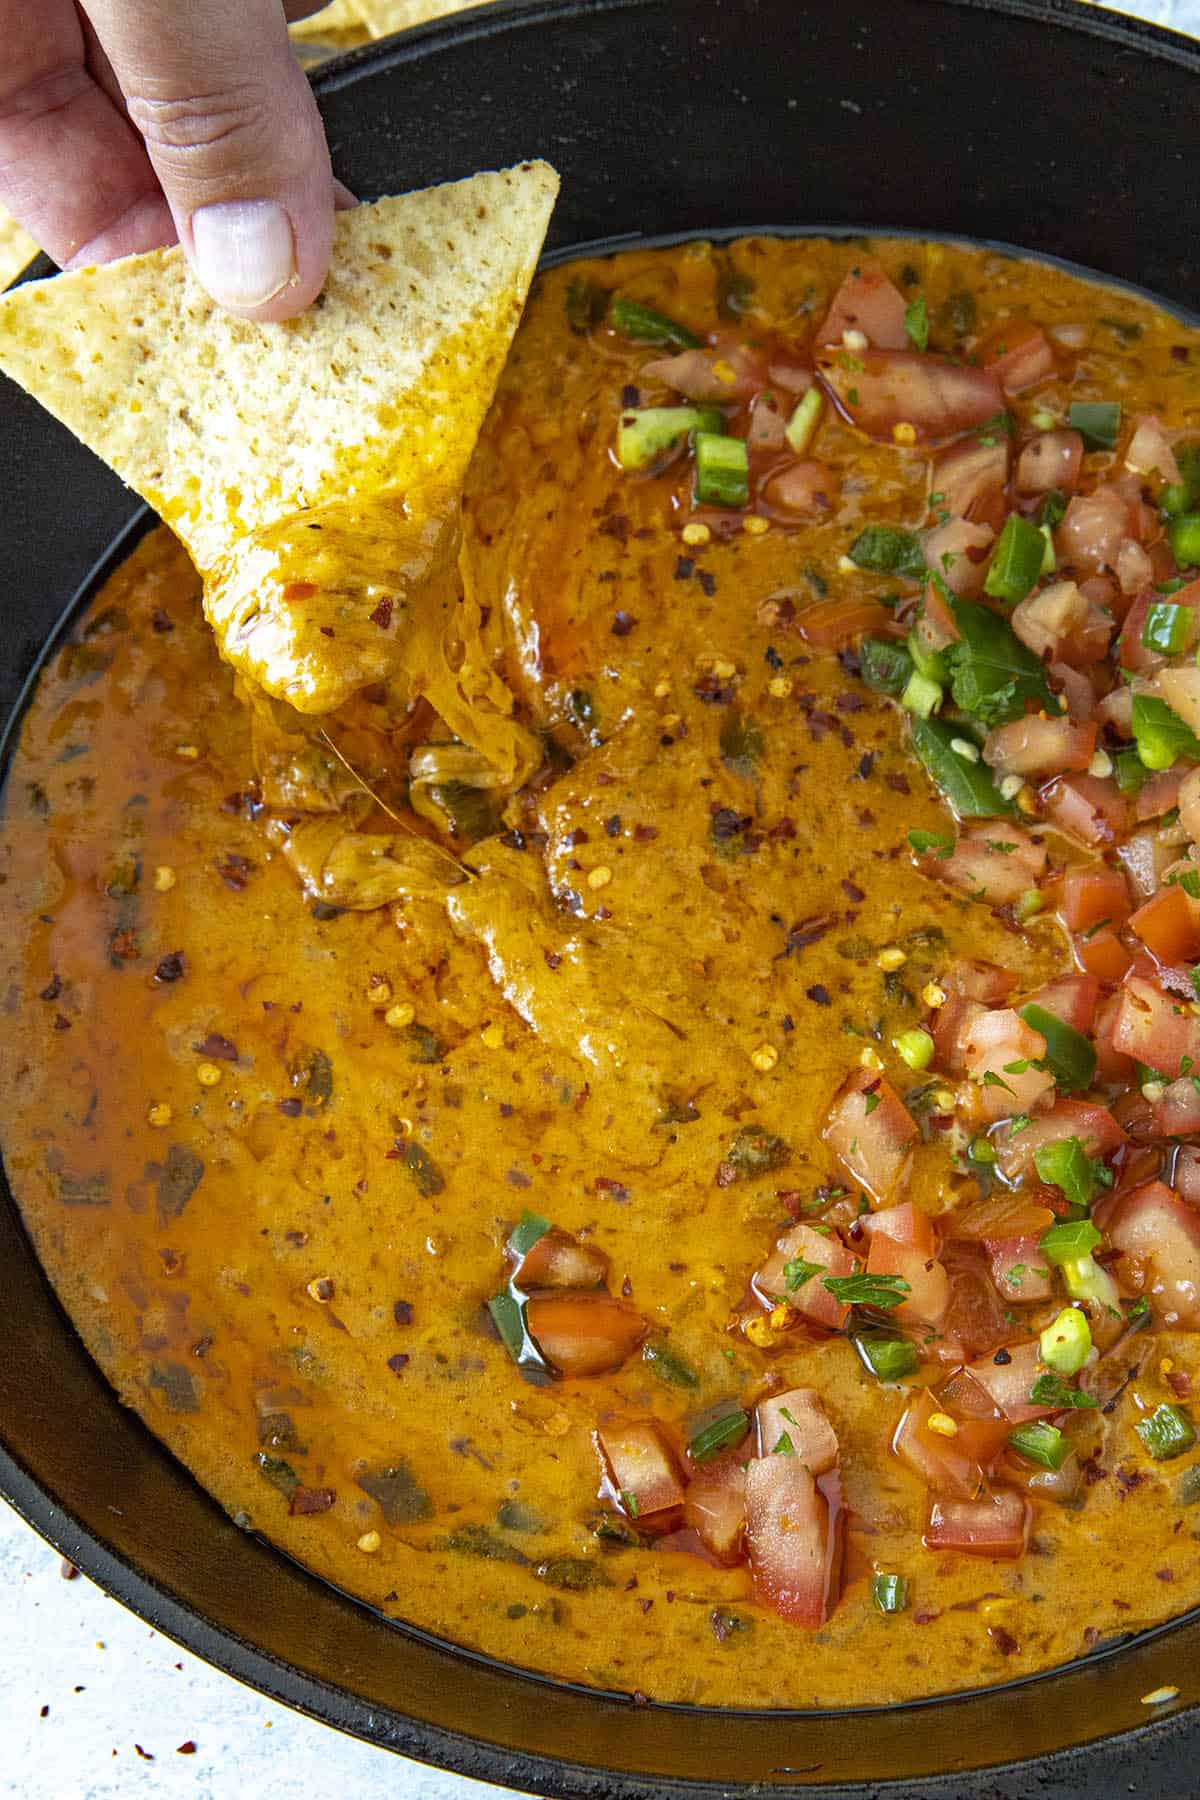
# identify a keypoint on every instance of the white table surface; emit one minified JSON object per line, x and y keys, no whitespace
{"x":94,"y":1705}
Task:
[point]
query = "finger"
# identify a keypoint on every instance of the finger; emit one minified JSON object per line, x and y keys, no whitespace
{"x":72,"y":169}
{"x":233,"y":133}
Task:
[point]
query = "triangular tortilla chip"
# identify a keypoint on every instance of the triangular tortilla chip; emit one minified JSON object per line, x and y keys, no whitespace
{"x":382,"y":17}
{"x":225,"y":426}
{"x":17,"y":248}
{"x":340,"y":15}
{"x":312,"y":469}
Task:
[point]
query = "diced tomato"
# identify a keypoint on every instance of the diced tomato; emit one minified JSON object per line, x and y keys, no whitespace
{"x":584,"y":1334}
{"x":951,"y":1026}
{"x":835,"y":624}
{"x":1103,"y":955}
{"x":1145,"y":860}
{"x":768,"y":423}
{"x":1160,"y":793}
{"x":1001,"y":1217}
{"x":714,"y":1506}
{"x":1050,"y":460}
{"x":1187,"y":1174}
{"x":949,"y":1465}
{"x":881,"y":389}
{"x":1111,"y":1066}
{"x":1008,"y":1384}
{"x":1159,"y":1229}
{"x":793,"y":1542}
{"x":1018,"y":353}
{"x":799,"y":1418}
{"x":906,"y":1224}
{"x":870,"y":1129}
{"x":1003,"y":1046}
{"x":958,"y":551}
{"x":1075,"y":687}
{"x":970,"y":479}
{"x":1154,"y":1029}
{"x":1115,"y":709}
{"x":1094,"y":896}
{"x":1092,"y":529}
{"x":559,"y":1261}
{"x":1046,"y":621}
{"x":978,"y":980}
{"x":800,"y":490}
{"x":1092,"y":1124}
{"x":997,"y":865}
{"x":1177,"y":1114}
{"x":977,"y":1321}
{"x":868,"y":302}
{"x":1086,"y":807}
{"x":1072,"y":998}
{"x":642,"y":1467}
{"x":1018,"y":1271}
{"x":929,"y":1284}
{"x":997,"y":1525}
{"x":1169,"y":925}
{"x":1037,"y":746}
{"x":1180,"y":688}
{"x":1150,"y":451}
{"x":811,"y":1298}
{"x":736,"y":372}
{"x":1134,"y":567}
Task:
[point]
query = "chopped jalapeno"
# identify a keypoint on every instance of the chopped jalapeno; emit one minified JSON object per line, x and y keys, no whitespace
{"x":1098,"y":422}
{"x":1016,"y":565}
{"x":888,"y":1358}
{"x":1041,"y":1443}
{"x":1167,"y":1432}
{"x":722,"y":470}
{"x":1167,"y":628}
{"x":642,"y":436}
{"x":721,"y":1434}
{"x":1161,"y":736}
{"x":645,"y":326}
{"x":890,"y":1593}
{"x":1183,"y":535}
{"x":967,"y":785}
{"x":1066,"y":1344}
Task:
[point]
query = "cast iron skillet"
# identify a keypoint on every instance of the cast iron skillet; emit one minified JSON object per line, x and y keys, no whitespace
{"x":1036,"y":122}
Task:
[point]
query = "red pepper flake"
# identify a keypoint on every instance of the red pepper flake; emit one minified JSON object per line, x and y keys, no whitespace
{"x":819,"y":994}
{"x":161,"y":621}
{"x":853,"y":892}
{"x":899,"y":784}
{"x":398,"y":1363}
{"x":645,"y":834}
{"x":783,"y":833}
{"x":61,"y":1022}
{"x":402,"y":1312}
{"x":327,"y":631}
{"x":234,"y":870}
{"x":623,"y":623}
{"x":220,"y":1049}
{"x":1004,"y":1641}
{"x":1164,"y":1574}
{"x":144,"y":1754}
{"x":291,"y":1109}
{"x":123,"y":946}
{"x":43,"y":1712}
{"x":307,"y":1501}
{"x":604,"y":1184}
{"x":707,"y":582}
{"x":170,"y":967}
{"x":1180,"y":1384}
{"x":612,"y":827}
{"x":68,"y":1571}
{"x":300,"y":590}
{"x":187,"y":1748}
{"x":53,"y":989}
{"x":553,"y":959}
{"x":925,"y":1618}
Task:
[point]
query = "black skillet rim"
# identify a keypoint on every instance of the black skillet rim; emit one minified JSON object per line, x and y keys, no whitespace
{"x":319,"y":1699}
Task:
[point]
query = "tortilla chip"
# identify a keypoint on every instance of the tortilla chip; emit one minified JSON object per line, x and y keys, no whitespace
{"x":339,"y":15}
{"x":226,"y":426}
{"x":17,"y":248}
{"x":382,"y":17}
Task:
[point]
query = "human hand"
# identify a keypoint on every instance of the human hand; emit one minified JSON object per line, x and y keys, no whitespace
{"x":126,"y":124}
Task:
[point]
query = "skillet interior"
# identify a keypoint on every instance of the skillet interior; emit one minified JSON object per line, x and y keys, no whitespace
{"x":1044,"y":125}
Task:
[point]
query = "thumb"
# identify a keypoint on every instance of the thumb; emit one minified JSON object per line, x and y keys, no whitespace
{"x":233,"y":132}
